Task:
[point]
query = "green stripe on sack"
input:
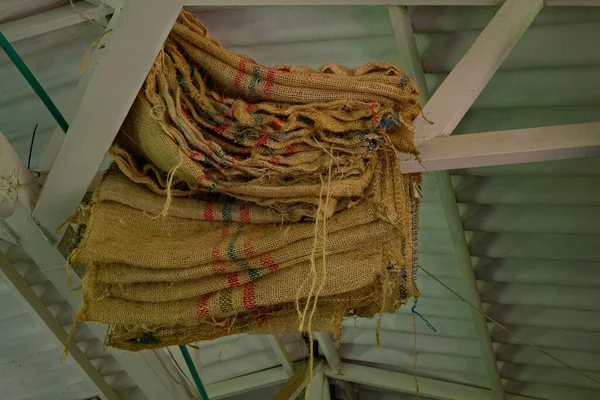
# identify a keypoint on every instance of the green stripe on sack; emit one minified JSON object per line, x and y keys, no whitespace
{"x":253,"y":274}
{"x":226,"y":300}
{"x":234,"y":238}
{"x":227,"y":212}
{"x":252,"y":84}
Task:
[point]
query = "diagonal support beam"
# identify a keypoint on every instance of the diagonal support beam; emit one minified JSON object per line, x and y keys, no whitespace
{"x":505,"y":147}
{"x":58,"y":136}
{"x":51,"y":20}
{"x":297,"y":383}
{"x":461,"y":250}
{"x":282,"y":355}
{"x":138,"y":36}
{"x":31,"y":236}
{"x":405,"y":383}
{"x":469,"y":77}
{"x":329,"y":350}
{"x":36,"y":308}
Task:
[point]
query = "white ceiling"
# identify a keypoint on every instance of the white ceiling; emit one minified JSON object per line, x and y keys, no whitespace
{"x":532,"y":230}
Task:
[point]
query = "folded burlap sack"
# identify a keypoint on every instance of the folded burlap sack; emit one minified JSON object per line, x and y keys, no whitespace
{"x":220,"y":122}
{"x":250,"y":199}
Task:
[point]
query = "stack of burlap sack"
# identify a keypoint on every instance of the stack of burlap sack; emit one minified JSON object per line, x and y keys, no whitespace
{"x":251,"y":199}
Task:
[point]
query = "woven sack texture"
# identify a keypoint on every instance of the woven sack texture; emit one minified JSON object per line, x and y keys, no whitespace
{"x":251,"y":199}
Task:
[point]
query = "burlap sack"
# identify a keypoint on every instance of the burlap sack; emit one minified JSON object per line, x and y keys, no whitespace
{"x":344,"y":272}
{"x":153,"y":139}
{"x":301,"y":250}
{"x":118,"y":188}
{"x":289,"y":209}
{"x":282,"y":319}
{"x":176,"y":290}
{"x":119,"y":234}
{"x":222,"y":123}
{"x":266,"y":189}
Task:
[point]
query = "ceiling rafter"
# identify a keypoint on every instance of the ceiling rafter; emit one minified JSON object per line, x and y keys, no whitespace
{"x":447,"y":107}
{"x":36,"y":308}
{"x":468,"y":78}
{"x":51,"y":20}
{"x":104,"y":105}
{"x":282,"y":355}
{"x":93,"y":95}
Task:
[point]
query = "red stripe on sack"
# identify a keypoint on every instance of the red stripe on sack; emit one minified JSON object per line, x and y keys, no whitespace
{"x":202,"y":307}
{"x":277,"y":124}
{"x":262,"y":139}
{"x":269,"y":84}
{"x":245,"y":212}
{"x":249,"y":296}
{"x":224,"y":328}
{"x":248,"y":107}
{"x":276,"y":160}
{"x":240,"y":74}
{"x":218,"y":266}
{"x":291,"y":148}
{"x":267,"y":260}
{"x":209,"y":213}
{"x":233,"y":280}
{"x":197,"y":155}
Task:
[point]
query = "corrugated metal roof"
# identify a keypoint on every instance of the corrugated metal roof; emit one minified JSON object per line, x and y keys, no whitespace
{"x":30,"y":354}
{"x":532,"y":229}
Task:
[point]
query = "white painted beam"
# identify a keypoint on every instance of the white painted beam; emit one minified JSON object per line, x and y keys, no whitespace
{"x":16,"y":181}
{"x":138,"y":36}
{"x":505,"y":147}
{"x":317,"y":389}
{"x":51,"y":20}
{"x":115,"y":4}
{"x":469,"y":284}
{"x":405,"y":383}
{"x":246,"y":383}
{"x":36,"y":308}
{"x":58,"y":136}
{"x":34,"y":240}
{"x":326,"y":393}
{"x":410,"y":60}
{"x":348,"y":389}
{"x":282,"y":355}
{"x":329,"y":350}
{"x":469,"y":77}
{"x":230,"y":3}
{"x":407,"y":45}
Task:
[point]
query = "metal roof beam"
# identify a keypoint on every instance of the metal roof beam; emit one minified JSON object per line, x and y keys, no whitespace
{"x":34,"y":240}
{"x":405,"y":383}
{"x":137,"y":38}
{"x":58,"y":136}
{"x":233,"y":3}
{"x":466,"y":81}
{"x":320,"y":387}
{"x":36,"y":308}
{"x":505,"y":147}
{"x":407,"y":46}
{"x":282,"y":355}
{"x":329,"y":350}
{"x":51,"y":20}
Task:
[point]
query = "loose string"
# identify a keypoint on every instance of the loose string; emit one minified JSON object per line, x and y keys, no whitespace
{"x":86,"y":55}
{"x":499,"y":325}
{"x":415,"y":352}
{"x":415,"y":312}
